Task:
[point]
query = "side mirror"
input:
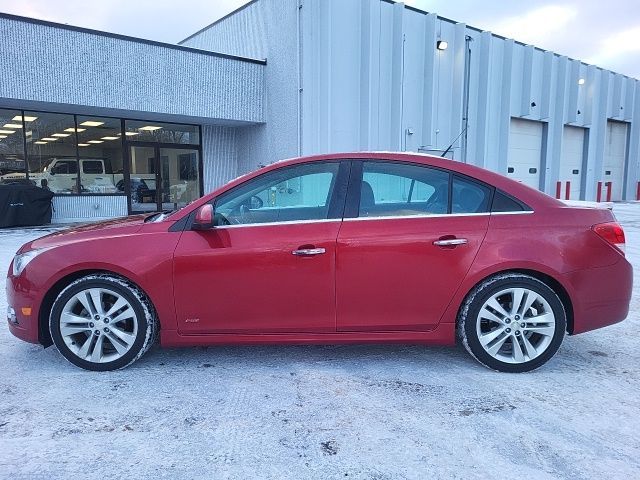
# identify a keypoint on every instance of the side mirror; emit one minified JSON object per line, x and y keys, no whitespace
{"x":204,"y":218}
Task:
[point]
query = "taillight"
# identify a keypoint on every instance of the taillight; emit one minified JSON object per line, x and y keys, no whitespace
{"x":611,"y":232}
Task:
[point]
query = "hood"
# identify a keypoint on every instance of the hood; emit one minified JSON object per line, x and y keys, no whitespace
{"x":89,"y":231}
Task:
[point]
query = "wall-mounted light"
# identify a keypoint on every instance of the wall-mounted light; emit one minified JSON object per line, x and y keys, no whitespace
{"x":442,"y":45}
{"x":581,"y":81}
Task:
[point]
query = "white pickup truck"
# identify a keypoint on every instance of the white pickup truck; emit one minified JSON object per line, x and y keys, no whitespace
{"x":61,"y":174}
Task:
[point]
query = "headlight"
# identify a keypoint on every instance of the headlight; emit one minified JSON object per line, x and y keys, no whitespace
{"x":21,"y":260}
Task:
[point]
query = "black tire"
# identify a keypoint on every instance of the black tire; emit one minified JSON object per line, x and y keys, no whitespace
{"x":470,"y":309}
{"x":147,"y":325}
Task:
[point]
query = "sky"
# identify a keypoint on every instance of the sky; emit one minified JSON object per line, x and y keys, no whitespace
{"x":597,"y":32}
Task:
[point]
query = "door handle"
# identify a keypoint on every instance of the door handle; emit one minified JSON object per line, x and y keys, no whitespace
{"x":308,"y":252}
{"x":450,"y":242}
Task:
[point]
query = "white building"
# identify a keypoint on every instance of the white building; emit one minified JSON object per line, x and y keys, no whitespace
{"x":281,"y":78}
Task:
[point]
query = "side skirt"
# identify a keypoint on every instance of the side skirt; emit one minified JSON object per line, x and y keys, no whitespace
{"x":443,"y":334}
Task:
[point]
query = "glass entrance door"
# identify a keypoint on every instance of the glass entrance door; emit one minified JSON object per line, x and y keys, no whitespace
{"x":179,"y":177}
{"x":162,"y":178}
{"x":143,"y":179}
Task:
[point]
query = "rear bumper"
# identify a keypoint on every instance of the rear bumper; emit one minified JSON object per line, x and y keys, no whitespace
{"x":20,"y":298}
{"x":600,"y":296}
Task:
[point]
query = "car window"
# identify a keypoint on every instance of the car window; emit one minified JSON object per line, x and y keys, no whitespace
{"x":92,"y":166}
{"x":65,"y":166}
{"x":504,"y":203}
{"x":396,"y":189}
{"x":469,"y":196}
{"x":301,"y":192}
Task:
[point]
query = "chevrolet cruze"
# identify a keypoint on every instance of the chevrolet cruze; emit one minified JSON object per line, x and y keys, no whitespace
{"x":348,"y":248}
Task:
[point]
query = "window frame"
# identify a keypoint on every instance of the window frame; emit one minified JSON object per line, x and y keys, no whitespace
{"x":352,"y":205}
{"x":336,"y":199}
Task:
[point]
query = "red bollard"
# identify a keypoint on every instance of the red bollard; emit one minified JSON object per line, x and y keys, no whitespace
{"x":609,"y":188}
{"x":567,"y":190}
{"x":559,"y":186}
{"x":638,"y":192}
{"x":599,"y":193}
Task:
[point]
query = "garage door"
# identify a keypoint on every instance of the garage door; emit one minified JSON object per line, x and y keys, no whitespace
{"x":525,"y":151}
{"x":615,"y":154}
{"x":571,"y":161}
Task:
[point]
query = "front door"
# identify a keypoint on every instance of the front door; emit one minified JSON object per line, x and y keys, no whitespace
{"x":269,"y":263}
{"x":408,"y":247}
{"x":162,"y":177}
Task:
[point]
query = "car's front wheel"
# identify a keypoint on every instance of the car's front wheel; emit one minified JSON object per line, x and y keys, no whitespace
{"x":102,"y":322}
{"x":512,"y":322}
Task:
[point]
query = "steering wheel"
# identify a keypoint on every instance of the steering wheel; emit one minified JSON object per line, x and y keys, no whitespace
{"x":244,"y":210}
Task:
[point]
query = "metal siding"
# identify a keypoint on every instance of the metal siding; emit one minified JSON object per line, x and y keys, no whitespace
{"x":400,"y":61}
{"x":267,"y":29}
{"x":57,"y":67}
{"x":86,"y":208}
{"x":219,"y":156}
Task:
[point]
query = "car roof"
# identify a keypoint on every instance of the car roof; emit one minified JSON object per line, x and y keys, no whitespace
{"x":532,"y":197}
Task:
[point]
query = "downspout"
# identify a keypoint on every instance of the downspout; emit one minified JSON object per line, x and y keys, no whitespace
{"x":467,"y":75}
{"x":299,"y":60}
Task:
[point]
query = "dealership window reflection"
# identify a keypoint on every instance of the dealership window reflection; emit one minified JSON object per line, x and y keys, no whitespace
{"x":51,"y":150}
{"x":100,"y":153}
{"x":147,"y":131}
{"x":12,"y":165}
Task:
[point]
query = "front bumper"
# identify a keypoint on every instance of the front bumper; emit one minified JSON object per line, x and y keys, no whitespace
{"x":21,"y":298}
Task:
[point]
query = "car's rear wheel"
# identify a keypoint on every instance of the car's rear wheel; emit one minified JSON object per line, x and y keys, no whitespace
{"x":102,"y":322}
{"x":512,"y":322}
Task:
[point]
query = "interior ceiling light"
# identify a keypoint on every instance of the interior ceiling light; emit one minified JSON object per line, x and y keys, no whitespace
{"x":110,"y":138}
{"x":442,"y":45}
{"x":580,"y":82}
{"x":83,"y":145}
{"x":74,"y":129}
{"x":149,"y":128}
{"x":27,"y":118}
{"x":91,"y":123}
{"x":12,"y":125}
{"x":96,"y":141}
{"x":7,"y":132}
{"x":40,"y":143}
{"x":61,"y":135}
{"x":2,"y":136}
{"x":49,"y":139}
{"x":129,"y":134}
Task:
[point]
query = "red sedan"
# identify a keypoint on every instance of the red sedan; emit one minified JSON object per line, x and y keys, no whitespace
{"x":349,"y":248}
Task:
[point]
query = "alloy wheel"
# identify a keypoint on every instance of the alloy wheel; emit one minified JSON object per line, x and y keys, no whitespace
{"x":515,"y":325}
{"x":98,"y":325}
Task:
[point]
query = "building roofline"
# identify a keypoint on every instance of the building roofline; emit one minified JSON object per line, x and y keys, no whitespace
{"x":47,"y":23}
{"x":206,"y":27}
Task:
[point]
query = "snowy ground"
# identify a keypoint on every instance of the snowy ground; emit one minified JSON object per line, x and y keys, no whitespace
{"x":371,"y":412}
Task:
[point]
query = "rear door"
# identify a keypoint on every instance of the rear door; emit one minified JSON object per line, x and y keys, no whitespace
{"x":413,"y":233}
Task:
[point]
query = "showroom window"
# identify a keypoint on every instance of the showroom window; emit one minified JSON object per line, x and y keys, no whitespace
{"x":12,"y":165}
{"x":291,"y":194}
{"x":396,"y":189}
{"x":91,"y":155}
{"x":145,"y":131}
{"x":100,"y":154}
{"x":51,"y":140}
